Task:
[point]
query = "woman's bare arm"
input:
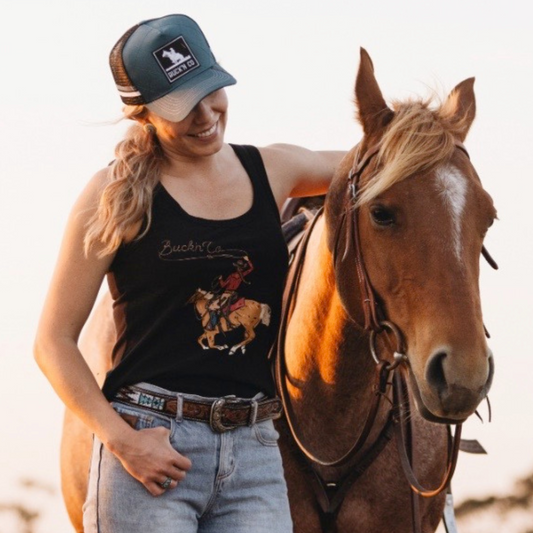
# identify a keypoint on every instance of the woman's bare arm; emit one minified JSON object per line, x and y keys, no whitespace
{"x":294,"y":171}
{"x":147,"y":455}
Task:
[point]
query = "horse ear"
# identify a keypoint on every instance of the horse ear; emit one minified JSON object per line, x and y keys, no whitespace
{"x":373,"y":113}
{"x":460,"y":108}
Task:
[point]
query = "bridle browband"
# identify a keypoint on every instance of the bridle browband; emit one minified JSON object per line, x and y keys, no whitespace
{"x":375,"y":324}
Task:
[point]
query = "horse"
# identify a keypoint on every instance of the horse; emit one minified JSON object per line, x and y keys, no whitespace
{"x":247,"y":314}
{"x":382,"y":339}
{"x":174,"y":56}
{"x":387,"y":280}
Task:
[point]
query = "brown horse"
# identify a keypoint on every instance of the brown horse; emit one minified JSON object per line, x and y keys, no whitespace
{"x":400,"y":239}
{"x":248,"y":315}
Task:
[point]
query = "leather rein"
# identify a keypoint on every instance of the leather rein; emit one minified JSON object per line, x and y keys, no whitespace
{"x":387,"y":375}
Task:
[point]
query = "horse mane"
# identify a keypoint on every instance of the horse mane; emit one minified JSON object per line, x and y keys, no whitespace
{"x":417,"y":139}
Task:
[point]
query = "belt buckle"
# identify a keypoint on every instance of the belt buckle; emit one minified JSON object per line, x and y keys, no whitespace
{"x":215,"y":416}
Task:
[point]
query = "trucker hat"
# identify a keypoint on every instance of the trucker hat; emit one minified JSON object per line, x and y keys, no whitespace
{"x":167,"y":65}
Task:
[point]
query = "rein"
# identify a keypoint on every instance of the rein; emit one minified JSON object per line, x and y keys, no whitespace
{"x":404,"y":444}
{"x":381,"y":377}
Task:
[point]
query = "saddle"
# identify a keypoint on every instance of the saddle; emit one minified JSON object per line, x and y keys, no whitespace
{"x":240,"y":302}
{"x":295,"y":215}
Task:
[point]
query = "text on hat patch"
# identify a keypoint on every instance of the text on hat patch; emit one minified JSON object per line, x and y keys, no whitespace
{"x":176,"y":59}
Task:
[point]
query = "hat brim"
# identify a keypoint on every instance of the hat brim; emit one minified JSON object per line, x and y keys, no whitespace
{"x":176,"y":105}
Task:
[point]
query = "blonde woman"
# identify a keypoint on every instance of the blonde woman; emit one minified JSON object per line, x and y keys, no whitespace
{"x":184,"y":438}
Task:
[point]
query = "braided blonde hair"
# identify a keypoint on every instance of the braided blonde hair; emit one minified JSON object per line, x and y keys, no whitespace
{"x":126,"y":201}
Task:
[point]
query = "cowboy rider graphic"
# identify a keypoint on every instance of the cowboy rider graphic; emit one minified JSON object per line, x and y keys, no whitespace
{"x":226,"y":293}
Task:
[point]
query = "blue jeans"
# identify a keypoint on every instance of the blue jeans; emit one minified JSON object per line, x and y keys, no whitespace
{"x":235,"y":485}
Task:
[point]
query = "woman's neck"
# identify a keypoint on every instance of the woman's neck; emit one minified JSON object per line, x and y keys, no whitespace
{"x":185,"y":166}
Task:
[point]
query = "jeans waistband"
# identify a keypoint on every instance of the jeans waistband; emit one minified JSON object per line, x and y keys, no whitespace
{"x":222,"y":414}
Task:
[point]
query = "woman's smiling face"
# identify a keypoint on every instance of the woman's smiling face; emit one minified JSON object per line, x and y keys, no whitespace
{"x":200,"y":133}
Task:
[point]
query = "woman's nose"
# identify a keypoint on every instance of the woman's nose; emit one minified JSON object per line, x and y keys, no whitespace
{"x":203,"y":111}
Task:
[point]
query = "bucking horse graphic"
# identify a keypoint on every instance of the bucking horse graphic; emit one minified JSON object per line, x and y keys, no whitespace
{"x":243,"y":312}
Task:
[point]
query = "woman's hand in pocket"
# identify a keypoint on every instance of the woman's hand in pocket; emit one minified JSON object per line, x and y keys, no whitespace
{"x":148,"y":456}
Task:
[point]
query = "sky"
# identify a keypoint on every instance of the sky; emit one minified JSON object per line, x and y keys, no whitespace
{"x":295,"y":63}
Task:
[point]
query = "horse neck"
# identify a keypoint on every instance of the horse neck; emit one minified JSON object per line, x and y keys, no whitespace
{"x":201,"y":306}
{"x":329,"y":363}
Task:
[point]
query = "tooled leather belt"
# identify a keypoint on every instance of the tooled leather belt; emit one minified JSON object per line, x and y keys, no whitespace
{"x":221,"y":414}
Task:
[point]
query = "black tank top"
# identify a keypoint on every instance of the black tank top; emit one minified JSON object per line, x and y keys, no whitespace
{"x":197,"y":301}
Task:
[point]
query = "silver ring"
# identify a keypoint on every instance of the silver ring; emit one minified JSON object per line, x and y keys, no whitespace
{"x":166,"y":483}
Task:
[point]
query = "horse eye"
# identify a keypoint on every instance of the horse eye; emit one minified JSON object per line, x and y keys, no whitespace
{"x":382,"y":216}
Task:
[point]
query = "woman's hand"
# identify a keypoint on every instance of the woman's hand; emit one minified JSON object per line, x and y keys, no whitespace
{"x":148,"y":456}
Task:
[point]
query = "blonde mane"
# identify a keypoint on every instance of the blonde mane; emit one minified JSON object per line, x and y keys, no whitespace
{"x":417,"y":140}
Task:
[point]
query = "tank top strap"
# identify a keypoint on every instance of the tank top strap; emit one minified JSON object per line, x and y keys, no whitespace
{"x":251,"y":160}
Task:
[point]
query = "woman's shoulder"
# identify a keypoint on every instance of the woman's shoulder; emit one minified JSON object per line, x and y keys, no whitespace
{"x":95,"y":186}
{"x":100,"y":179}
{"x":89,"y":197}
{"x":93,"y":197}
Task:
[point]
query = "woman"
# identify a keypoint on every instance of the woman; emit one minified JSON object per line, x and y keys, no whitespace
{"x":184,"y":438}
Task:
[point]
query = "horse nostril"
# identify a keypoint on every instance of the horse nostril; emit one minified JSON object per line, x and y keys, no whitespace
{"x":435,"y":371}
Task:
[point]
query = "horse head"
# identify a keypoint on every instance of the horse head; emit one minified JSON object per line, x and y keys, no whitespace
{"x":419,"y":214}
{"x":200,"y":294}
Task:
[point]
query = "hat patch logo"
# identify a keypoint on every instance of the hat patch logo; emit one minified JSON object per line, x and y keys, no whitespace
{"x":176,"y":59}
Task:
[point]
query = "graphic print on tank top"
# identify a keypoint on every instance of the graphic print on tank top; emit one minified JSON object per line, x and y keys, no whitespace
{"x":221,"y":309}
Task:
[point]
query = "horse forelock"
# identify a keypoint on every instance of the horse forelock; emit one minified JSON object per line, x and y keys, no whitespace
{"x":418,"y":139}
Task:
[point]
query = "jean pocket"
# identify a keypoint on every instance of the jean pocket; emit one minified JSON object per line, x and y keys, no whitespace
{"x":266,"y":433}
{"x":140,"y":419}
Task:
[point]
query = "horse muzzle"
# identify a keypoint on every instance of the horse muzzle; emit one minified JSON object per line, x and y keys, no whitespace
{"x":444,"y":399}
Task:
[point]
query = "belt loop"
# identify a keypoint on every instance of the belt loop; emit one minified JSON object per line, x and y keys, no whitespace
{"x":179,"y":407}
{"x":253,"y":412}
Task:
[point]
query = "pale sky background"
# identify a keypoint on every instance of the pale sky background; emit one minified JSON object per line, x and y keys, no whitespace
{"x":295,"y":62}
